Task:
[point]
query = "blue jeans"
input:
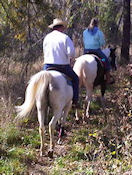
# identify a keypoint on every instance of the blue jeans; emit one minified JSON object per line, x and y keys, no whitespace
{"x":101,"y":55}
{"x":66,"y":69}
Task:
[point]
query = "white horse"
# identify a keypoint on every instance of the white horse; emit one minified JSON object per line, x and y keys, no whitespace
{"x":47,"y":88}
{"x":91,"y":73}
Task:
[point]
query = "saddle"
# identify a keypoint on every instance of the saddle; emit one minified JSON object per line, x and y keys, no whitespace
{"x":100,"y":69}
{"x":98,"y":57}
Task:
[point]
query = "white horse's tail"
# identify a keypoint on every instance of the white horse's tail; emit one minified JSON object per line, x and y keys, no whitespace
{"x":79,"y":67}
{"x":37,"y":84}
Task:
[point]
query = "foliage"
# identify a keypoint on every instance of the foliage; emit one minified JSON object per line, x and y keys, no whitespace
{"x":106,"y":11}
{"x":24,"y":23}
{"x":126,"y":32}
{"x":20,"y":14}
{"x":108,"y":20}
{"x":100,"y":146}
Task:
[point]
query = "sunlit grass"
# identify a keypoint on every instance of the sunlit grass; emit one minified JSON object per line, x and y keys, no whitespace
{"x":86,"y":152}
{"x":16,"y":159}
{"x":12,"y":166}
{"x":14,"y":156}
{"x":66,"y":166}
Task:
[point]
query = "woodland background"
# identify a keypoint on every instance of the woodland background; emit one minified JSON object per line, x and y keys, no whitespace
{"x":102,"y":146}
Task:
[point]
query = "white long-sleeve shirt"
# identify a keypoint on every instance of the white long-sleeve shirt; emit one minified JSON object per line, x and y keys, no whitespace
{"x":58,"y":48}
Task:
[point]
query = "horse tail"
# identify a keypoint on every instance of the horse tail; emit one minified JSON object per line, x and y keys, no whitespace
{"x":83,"y":73}
{"x":79,"y":68}
{"x":37,"y":86}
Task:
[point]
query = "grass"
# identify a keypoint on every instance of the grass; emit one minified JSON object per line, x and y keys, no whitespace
{"x":101,"y":146}
{"x":63,"y":166}
{"x":14,"y":155}
{"x":87,"y":153}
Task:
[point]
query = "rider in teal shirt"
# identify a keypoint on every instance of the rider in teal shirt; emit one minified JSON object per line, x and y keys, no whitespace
{"x":93,"y":40}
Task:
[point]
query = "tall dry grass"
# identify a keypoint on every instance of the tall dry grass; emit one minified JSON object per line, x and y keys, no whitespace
{"x":14,"y":77}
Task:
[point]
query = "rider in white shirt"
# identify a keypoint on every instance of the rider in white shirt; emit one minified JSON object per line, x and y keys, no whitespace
{"x":58,"y":49}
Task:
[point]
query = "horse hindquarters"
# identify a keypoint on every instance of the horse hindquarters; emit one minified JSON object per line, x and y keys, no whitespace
{"x":61,"y":104}
{"x":41,"y":104}
{"x":60,"y":95}
{"x":36,"y":90}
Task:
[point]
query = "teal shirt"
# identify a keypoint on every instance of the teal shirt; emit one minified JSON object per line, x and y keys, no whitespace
{"x":93,"y":39}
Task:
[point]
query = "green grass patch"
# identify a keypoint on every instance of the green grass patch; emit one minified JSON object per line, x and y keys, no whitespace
{"x":12,"y":166}
{"x":16,"y":160}
{"x":66,"y":166}
{"x":32,"y":138}
{"x":10,"y":136}
{"x":17,"y":149}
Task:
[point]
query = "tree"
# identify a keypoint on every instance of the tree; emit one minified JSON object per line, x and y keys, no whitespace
{"x":26,"y":22}
{"x":126,"y":32}
{"x":108,"y":17}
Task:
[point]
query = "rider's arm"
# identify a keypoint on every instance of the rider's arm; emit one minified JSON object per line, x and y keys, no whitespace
{"x":70,"y":48}
{"x":101,"y":39}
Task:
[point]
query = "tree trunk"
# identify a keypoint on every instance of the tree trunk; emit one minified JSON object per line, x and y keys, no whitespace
{"x":126,"y":32}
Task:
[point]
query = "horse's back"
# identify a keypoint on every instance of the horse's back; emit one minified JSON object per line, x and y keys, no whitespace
{"x":59,"y":89}
{"x":59,"y":80}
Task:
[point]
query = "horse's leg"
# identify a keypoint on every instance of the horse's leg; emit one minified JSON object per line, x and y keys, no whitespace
{"x":65,"y":113}
{"x":88,"y":99}
{"x":63,"y":121}
{"x":41,"y":116}
{"x":77,"y":116}
{"x":47,"y":114}
{"x":52,"y":124}
{"x":77,"y":113}
{"x":103,"y":88}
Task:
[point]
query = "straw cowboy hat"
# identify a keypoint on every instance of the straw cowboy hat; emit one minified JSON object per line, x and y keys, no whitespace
{"x":57,"y":22}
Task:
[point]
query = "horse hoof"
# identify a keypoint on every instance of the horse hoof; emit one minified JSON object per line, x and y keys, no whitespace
{"x":77,"y":121}
{"x":86,"y":119}
{"x":50,"y":154}
{"x":59,"y":141}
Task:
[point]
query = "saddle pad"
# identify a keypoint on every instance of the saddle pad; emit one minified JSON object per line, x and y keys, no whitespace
{"x":100,"y":72}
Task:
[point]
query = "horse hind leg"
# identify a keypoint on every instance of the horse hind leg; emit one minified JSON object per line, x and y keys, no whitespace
{"x":103,"y":88}
{"x":88,"y":100}
{"x":52,"y":124}
{"x":77,"y":112}
{"x":63,"y":121}
{"x":65,"y":113}
{"x":41,"y":118}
